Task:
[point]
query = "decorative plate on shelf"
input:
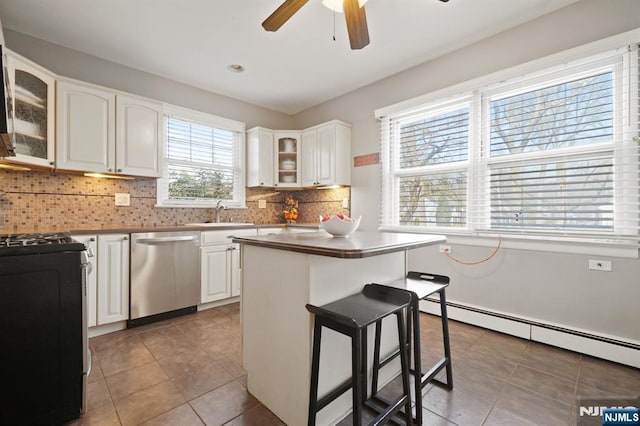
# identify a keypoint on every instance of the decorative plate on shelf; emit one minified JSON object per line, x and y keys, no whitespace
{"x":287,"y":165}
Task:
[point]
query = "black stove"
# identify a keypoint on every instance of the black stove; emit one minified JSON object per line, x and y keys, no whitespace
{"x":43,"y":329}
{"x":19,"y":244}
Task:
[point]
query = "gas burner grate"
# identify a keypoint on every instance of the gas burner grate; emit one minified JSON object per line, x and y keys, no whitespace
{"x":23,"y":240}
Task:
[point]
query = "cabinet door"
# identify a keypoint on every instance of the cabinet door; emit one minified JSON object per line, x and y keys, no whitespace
{"x":260,"y":157}
{"x":91,"y":242}
{"x":309,"y":167}
{"x":138,"y":136}
{"x":86,"y":128}
{"x":113,"y":278}
{"x":287,"y":159}
{"x":34,"y":111}
{"x":234,"y":269}
{"x":326,"y":155}
{"x":215,"y":283}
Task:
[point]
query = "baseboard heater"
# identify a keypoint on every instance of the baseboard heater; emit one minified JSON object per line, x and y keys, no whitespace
{"x":608,"y":348}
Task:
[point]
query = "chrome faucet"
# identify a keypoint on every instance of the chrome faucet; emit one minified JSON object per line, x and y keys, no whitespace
{"x":219,"y":207}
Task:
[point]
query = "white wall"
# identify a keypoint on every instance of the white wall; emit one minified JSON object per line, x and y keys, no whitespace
{"x":547,"y":286}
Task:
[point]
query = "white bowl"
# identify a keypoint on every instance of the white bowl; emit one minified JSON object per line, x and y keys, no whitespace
{"x":338,"y":227}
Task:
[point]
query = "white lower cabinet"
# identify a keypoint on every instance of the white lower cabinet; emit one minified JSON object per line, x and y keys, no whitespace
{"x":91,"y":242}
{"x":113,"y":278}
{"x":221,"y":273}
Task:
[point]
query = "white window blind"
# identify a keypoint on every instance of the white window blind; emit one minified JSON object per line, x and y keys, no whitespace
{"x":203,"y":161}
{"x":552,"y":152}
{"x":430,"y":163}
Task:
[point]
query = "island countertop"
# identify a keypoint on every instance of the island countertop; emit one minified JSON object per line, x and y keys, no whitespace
{"x":357,"y":245}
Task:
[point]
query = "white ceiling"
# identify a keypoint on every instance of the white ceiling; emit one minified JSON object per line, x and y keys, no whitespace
{"x":295,"y":68}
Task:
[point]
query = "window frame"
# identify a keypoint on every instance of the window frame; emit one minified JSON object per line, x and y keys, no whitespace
{"x":523,"y":75}
{"x":397,"y":172}
{"x":615,"y":65}
{"x":213,"y":121}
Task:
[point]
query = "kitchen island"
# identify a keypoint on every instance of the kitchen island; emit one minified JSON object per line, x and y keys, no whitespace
{"x":282,"y":273}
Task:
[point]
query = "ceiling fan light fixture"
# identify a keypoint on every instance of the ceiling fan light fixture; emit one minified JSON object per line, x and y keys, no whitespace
{"x":336,"y":5}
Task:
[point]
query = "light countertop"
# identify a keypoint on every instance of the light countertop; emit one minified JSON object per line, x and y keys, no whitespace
{"x":357,"y":245}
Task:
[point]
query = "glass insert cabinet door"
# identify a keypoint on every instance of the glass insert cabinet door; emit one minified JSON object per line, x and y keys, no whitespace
{"x":33,"y":97}
{"x":287,"y":159}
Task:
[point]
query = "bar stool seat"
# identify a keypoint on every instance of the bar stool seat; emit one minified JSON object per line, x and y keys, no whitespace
{"x":420,"y":285}
{"x":350,"y":316}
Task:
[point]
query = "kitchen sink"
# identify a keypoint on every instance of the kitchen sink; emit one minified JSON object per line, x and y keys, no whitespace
{"x":218,"y":224}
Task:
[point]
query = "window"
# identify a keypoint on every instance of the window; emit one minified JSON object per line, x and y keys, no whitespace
{"x":204,"y":161}
{"x":552,"y":152}
{"x":432,"y":166}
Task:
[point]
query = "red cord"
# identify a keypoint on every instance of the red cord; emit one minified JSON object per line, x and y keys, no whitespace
{"x":480,"y":261}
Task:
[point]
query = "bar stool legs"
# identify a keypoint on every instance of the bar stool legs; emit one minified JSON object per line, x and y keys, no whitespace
{"x":419,"y":285}
{"x":315,"y":367}
{"x":367,"y":310}
{"x":447,"y":347}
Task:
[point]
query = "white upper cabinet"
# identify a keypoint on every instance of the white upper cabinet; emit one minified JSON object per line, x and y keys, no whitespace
{"x":138,"y":136}
{"x":86,"y":128}
{"x":326,"y":154}
{"x":33,"y":94}
{"x":309,"y":158}
{"x":287,"y":162}
{"x":317,"y":156}
{"x":260,"y":157}
{"x":107,"y":132}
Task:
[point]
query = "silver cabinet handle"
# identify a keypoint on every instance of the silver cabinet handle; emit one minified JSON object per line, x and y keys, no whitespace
{"x":125,"y":238}
{"x":158,"y":240}
{"x":119,"y":170}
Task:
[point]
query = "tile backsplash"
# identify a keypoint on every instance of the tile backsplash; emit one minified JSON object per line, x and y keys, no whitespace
{"x":36,"y":201}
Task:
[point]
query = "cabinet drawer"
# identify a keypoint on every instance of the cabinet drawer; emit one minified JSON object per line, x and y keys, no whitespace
{"x":223,"y":236}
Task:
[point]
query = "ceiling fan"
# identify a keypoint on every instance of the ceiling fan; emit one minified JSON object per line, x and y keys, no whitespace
{"x":353,"y":12}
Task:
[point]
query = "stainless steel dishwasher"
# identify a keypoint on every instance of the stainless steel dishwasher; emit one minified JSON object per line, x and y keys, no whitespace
{"x":165,"y":275}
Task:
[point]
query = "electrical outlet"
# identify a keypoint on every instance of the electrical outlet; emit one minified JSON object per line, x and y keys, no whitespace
{"x":345,"y":203}
{"x":123,"y":199}
{"x":600,"y":265}
{"x":262,"y":204}
{"x":444,"y":249}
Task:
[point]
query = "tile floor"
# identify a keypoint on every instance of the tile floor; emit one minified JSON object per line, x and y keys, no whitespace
{"x":187,"y":371}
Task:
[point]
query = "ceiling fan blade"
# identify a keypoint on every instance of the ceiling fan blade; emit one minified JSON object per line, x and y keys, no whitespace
{"x":356,"y":24}
{"x":282,"y":14}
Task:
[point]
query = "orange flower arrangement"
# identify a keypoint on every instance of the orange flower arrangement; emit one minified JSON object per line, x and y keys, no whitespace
{"x":291,"y":210}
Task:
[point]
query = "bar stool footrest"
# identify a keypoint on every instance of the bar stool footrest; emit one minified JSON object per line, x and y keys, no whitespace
{"x":335,"y":393}
{"x":392,"y":410}
{"x":429,"y":375}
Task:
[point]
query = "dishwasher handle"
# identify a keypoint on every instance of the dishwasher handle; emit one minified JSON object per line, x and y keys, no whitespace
{"x":160,"y":240}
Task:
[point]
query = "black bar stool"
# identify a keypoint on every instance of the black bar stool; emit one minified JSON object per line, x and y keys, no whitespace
{"x":350,"y":316}
{"x":420,"y":285}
